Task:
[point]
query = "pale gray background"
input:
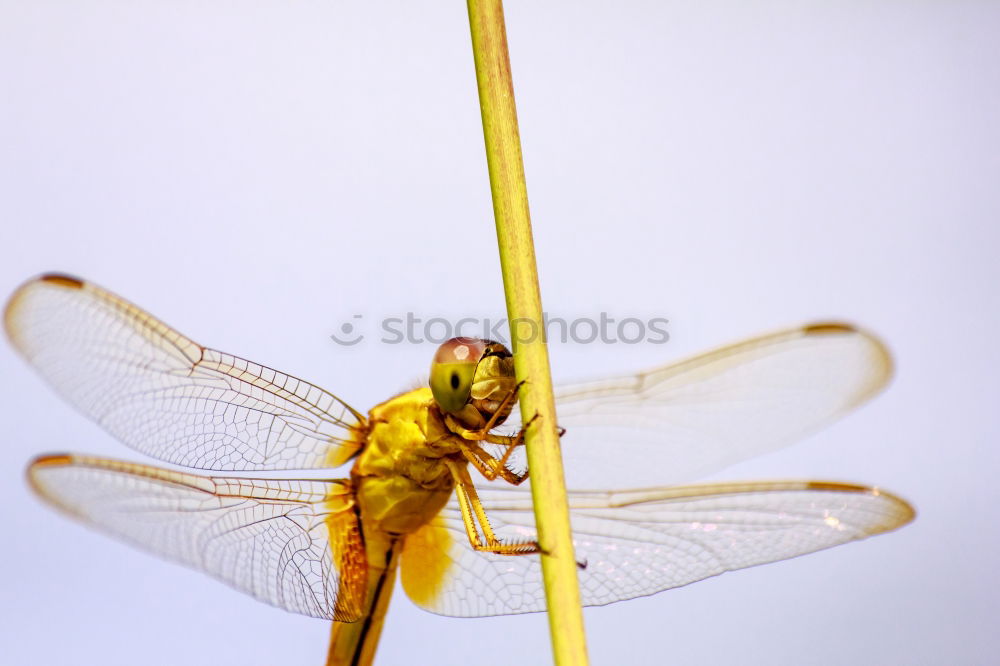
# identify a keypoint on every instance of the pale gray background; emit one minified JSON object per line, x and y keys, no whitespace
{"x":257,"y":172}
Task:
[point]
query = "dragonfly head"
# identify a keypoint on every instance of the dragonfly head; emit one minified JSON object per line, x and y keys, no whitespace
{"x":470,"y":378}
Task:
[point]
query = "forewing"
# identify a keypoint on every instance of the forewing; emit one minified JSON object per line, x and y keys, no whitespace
{"x":639,"y":542}
{"x":166,"y":396}
{"x":291,"y":543}
{"x":684,"y":420}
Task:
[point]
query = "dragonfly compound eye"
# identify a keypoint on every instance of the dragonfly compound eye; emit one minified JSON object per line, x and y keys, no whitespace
{"x":453,"y":370}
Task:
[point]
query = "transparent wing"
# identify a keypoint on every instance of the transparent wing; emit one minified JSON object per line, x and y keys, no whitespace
{"x":635,"y":543}
{"x":166,"y":396}
{"x":291,"y":543}
{"x":684,"y":420}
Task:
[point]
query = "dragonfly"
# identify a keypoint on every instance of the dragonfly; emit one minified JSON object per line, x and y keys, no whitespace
{"x":436,"y":489}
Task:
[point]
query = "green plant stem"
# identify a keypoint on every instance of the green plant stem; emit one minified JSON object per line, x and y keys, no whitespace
{"x":524,"y":311}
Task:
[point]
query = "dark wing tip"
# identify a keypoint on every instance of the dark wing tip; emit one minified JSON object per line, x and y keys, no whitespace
{"x":829,"y":328}
{"x":62,"y":280}
{"x":51,"y":460}
{"x":17,"y":298}
{"x":837,"y":486}
{"x":904,"y":511}
{"x":38,"y":465}
{"x":881,"y":355}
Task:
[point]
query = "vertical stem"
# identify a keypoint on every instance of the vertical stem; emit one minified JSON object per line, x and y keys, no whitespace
{"x":524,"y":311}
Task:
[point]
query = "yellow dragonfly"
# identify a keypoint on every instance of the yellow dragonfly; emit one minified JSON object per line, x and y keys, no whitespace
{"x":330,"y":548}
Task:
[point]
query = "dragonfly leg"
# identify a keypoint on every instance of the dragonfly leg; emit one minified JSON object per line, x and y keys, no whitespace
{"x":492,"y":467}
{"x":505,"y":472}
{"x":473,"y":512}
